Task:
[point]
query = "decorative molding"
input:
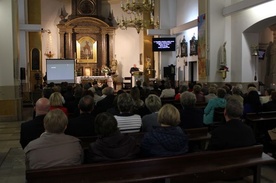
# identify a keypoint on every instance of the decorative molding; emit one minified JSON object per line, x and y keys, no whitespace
{"x":173,"y":31}
{"x":243,"y":5}
{"x":30,"y":27}
{"x":179,"y":29}
{"x":159,"y":32}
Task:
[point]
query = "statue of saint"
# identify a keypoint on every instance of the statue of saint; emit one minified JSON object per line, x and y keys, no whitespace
{"x":223,"y":55}
{"x":114,"y":64}
{"x":271,"y":59}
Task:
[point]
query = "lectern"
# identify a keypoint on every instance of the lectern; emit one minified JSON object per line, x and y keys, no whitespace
{"x":137,"y":75}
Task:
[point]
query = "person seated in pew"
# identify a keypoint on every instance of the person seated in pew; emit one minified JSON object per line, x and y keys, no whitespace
{"x":149,"y":121}
{"x":127,"y":121}
{"x":114,"y":109}
{"x":237,"y":93}
{"x":252,"y":103}
{"x":53,"y":148}
{"x":107,"y":101}
{"x":191,"y":117}
{"x":32,"y":129}
{"x":214,"y":103}
{"x":83,"y":125}
{"x":168,"y":139}
{"x":111,"y":144}
{"x":168,"y":92}
{"x":267,"y":96}
{"x":182,"y":89}
{"x":56,"y":102}
{"x":271,"y":105}
{"x":234,"y":133}
{"x":211,"y":94}
{"x":138,"y":103}
{"x":200,"y":98}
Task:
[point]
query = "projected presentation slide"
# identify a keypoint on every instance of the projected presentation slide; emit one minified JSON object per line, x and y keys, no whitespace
{"x":60,"y":70}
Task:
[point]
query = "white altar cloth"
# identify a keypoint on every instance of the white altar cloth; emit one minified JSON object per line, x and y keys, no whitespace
{"x":108,"y":79}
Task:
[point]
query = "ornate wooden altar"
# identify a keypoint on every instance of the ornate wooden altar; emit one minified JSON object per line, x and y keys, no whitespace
{"x":87,"y":37}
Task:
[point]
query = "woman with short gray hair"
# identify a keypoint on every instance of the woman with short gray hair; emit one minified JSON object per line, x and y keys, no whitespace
{"x":153,"y":103}
{"x":191,"y":117}
{"x":127,"y":121}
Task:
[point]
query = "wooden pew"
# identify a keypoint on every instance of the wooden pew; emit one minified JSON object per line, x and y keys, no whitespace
{"x":199,"y":135}
{"x":201,"y":105}
{"x":261,"y":122}
{"x":198,"y":138}
{"x":194,"y":167}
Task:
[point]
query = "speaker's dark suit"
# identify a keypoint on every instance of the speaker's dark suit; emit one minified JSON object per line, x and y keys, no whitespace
{"x":31,"y":130}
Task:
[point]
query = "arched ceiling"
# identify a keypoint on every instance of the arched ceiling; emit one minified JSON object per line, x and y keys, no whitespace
{"x":261,"y":25}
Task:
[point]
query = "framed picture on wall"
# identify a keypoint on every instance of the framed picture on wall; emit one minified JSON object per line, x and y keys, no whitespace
{"x":184,"y":48}
{"x":193,"y":46}
{"x":86,"y":50}
{"x":87,"y":71}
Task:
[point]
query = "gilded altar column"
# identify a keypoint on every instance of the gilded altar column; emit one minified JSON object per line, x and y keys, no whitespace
{"x":70,"y":52}
{"x":61,"y":48}
{"x":104,"y":50}
{"x":111,"y":46}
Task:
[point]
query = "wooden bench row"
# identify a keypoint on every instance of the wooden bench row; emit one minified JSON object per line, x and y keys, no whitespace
{"x":261,"y":122}
{"x":196,"y":135}
{"x":194,"y":167}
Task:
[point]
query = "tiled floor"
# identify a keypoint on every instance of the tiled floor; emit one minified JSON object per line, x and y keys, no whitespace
{"x":12,"y":167}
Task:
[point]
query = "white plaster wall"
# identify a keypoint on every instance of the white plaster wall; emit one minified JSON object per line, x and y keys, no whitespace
{"x":127,"y":45}
{"x":218,"y":33}
{"x":22,"y":34}
{"x":241,"y":53}
{"x":7,"y":44}
{"x":167,"y":21}
{"x":231,"y":29}
{"x":50,"y":11}
{"x":186,"y":11}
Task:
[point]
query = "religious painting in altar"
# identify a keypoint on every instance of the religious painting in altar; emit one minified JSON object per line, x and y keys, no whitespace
{"x":201,"y":47}
{"x":86,"y":50}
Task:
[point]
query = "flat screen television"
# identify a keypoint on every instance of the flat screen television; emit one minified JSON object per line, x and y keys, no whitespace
{"x":60,"y":70}
{"x":163,"y":44}
{"x":261,"y":54}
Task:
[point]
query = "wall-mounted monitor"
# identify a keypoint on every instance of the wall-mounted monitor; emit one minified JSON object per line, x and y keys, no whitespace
{"x":60,"y":70}
{"x":261,"y":53}
{"x":163,"y":44}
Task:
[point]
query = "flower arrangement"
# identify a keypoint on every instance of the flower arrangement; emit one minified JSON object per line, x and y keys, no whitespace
{"x":224,"y":68}
{"x":105,"y":70}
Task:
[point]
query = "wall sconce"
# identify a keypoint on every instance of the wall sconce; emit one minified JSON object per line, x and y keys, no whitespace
{"x":48,"y":53}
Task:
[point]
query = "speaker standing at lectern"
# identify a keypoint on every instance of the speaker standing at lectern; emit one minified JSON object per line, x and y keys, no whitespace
{"x":133,"y":69}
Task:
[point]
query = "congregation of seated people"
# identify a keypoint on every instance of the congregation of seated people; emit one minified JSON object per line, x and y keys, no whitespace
{"x":161,"y":112}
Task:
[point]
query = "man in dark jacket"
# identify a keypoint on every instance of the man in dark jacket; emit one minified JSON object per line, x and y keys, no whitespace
{"x":111,"y":144}
{"x":34,"y":128}
{"x":83,"y":125}
{"x":234,"y":133}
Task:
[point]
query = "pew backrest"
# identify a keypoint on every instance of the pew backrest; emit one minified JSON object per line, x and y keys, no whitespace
{"x":199,"y":164}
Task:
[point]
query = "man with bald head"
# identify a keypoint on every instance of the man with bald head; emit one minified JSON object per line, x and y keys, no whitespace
{"x":32,"y":129}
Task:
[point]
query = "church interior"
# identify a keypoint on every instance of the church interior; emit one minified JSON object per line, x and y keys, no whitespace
{"x":233,"y":39}
{"x":81,"y":41}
